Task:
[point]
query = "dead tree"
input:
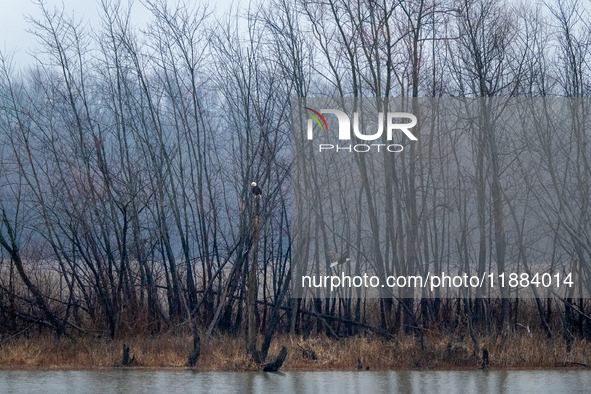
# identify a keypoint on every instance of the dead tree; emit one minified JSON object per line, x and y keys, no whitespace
{"x":252,"y":283}
{"x":125,"y":361}
{"x":194,"y":356}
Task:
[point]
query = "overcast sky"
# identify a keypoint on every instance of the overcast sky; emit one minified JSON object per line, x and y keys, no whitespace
{"x":13,"y":27}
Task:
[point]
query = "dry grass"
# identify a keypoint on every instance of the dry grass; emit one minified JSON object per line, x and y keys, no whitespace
{"x":227,"y":353}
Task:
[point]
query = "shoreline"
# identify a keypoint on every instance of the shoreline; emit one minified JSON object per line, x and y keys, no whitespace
{"x":570,"y":367}
{"x":227,"y":354}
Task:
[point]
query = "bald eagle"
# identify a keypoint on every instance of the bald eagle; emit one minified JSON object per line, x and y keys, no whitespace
{"x":337,"y":259}
{"x":256,"y":190}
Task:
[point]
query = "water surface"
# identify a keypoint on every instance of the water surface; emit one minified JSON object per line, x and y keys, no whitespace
{"x":150,"y":381}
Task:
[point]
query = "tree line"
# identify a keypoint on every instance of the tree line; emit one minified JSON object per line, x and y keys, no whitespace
{"x":127,"y":157}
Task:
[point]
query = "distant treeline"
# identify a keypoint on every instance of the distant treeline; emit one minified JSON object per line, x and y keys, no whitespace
{"x":127,"y":155}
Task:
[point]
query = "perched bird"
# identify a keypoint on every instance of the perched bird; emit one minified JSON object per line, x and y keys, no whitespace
{"x":337,"y":259}
{"x":256,"y":190}
{"x":359,"y":365}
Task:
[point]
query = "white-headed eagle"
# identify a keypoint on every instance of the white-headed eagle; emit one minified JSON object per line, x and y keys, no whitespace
{"x":337,"y":259}
{"x":256,"y":190}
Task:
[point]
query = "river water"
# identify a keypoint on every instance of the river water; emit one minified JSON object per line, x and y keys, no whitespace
{"x":167,"y":381}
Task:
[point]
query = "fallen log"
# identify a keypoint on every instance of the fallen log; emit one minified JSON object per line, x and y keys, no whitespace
{"x":334,"y":318}
{"x":564,"y":364}
{"x":277,"y":363}
{"x":310,"y":313}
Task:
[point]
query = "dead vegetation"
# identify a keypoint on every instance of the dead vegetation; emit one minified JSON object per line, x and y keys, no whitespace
{"x":226,"y":353}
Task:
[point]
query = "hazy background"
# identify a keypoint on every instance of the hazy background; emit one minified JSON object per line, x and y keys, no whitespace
{"x":16,"y":39}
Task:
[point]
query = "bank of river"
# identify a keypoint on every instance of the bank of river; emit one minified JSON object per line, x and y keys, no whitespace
{"x":227,"y":354}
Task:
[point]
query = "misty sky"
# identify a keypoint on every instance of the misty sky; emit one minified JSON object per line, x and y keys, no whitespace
{"x":14,"y":37}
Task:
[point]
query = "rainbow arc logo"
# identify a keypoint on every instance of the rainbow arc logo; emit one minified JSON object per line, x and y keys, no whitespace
{"x":317,"y":115}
